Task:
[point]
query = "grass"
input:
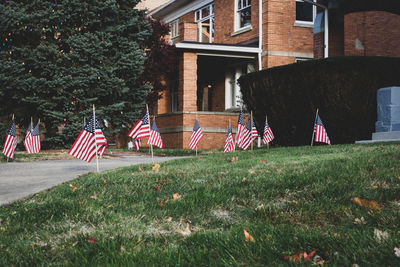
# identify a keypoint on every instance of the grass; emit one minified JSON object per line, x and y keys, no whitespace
{"x":289,"y":199}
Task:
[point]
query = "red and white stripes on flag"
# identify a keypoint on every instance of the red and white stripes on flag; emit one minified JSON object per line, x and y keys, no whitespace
{"x":229,"y":143}
{"x":196,"y":136}
{"x":11,"y":141}
{"x":268,"y":136}
{"x":155,"y":136}
{"x":141,"y":129}
{"x":240,"y":128}
{"x":32,"y":140}
{"x":137,"y":144}
{"x":84,"y":147}
{"x":320,"y":133}
{"x":247,"y":137}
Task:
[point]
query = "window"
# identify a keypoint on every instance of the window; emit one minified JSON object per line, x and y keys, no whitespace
{"x":205,"y":21}
{"x":174,"y":99}
{"x":305,"y":12}
{"x":174,"y":29}
{"x":243,"y":14}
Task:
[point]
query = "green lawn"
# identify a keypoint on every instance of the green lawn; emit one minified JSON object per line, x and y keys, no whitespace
{"x":289,"y":199}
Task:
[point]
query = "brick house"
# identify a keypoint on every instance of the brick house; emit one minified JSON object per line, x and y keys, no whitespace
{"x":218,"y":41}
{"x":357,"y":28}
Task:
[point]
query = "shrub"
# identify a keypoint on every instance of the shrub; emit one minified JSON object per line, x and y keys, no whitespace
{"x":343,"y":88}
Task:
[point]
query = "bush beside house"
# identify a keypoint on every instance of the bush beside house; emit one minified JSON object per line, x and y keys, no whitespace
{"x":343,"y":88}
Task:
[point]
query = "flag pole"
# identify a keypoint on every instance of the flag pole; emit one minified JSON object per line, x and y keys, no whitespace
{"x":95,"y":141}
{"x":312,"y":139}
{"x":251,"y":131}
{"x":266,"y":119}
{"x":151,"y":146}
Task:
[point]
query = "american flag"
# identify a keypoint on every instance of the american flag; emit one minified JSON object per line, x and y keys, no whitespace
{"x":155,"y":137}
{"x":254,"y":132}
{"x":240,"y":128}
{"x":268,"y":135}
{"x":141,"y":129}
{"x":32,"y":140}
{"x":247,"y":137}
{"x":229,"y":143}
{"x":196,"y":135}
{"x":84,"y":147}
{"x":11,"y":142}
{"x":320,"y":133}
{"x":137,"y":144}
{"x":27,"y":139}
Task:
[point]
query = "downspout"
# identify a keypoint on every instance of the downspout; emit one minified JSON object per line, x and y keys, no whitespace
{"x":259,"y":34}
{"x":326,"y":25}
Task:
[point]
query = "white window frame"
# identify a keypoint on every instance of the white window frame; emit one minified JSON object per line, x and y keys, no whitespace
{"x":245,"y":4}
{"x":303,"y":23}
{"x":174,"y":29}
{"x":199,"y":19}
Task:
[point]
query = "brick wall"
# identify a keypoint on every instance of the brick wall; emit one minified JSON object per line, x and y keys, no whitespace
{"x":373,"y":33}
{"x":224,"y":23}
{"x":187,"y":98}
{"x":214,"y":137}
{"x":281,"y":34}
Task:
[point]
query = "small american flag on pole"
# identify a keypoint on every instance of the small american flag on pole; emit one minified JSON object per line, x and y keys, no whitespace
{"x":137,"y":144}
{"x":84,"y":147}
{"x":155,"y":137}
{"x":229,"y":143}
{"x":248,"y":137}
{"x":240,"y":128}
{"x":254,"y":132}
{"x":32,"y":140}
{"x":320,"y":133}
{"x":268,"y":136}
{"x":141,"y":129}
{"x":196,"y":136}
{"x":11,"y":141}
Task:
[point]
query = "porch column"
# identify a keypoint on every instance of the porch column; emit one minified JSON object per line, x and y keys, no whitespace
{"x":188,"y":82}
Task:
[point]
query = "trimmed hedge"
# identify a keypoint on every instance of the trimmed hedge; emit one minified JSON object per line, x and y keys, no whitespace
{"x":343,"y":88}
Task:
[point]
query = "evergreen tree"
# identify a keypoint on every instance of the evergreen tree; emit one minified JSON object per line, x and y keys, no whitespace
{"x":57,"y":58}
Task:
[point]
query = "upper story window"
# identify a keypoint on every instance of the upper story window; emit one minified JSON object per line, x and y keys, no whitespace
{"x":205,"y":21}
{"x":305,"y":13}
{"x":242,"y":14}
{"x":174,"y":29}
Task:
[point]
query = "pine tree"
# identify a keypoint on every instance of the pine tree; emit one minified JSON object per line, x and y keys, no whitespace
{"x":57,"y":58}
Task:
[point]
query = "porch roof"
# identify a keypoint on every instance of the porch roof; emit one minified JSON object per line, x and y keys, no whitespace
{"x":215,"y":48}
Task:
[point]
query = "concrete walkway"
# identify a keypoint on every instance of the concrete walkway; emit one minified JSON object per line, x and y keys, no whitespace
{"x":22,"y":179}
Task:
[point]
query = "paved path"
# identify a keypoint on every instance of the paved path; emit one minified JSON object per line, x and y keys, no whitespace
{"x":22,"y":179}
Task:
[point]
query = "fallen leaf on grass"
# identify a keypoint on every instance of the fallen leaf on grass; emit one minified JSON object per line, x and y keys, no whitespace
{"x":360,"y":221}
{"x":92,"y":240}
{"x":380,"y":235}
{"x":176,"y":196}
{"x":318,"y":261}
{"x":251,"y":171}
{"x":140,"y":169}
{"x":297,"y":257}
{"x":248,"y":237}
{"x":233,"y":159}
{"x":263,"y":161}
{"x":294,"y":202}
{"x":169,"y":219}
{"x":104,"y":180}
{"x":158,"y":188}
{"x":163,"y":180}
{"x":366,"y":203}
{"x":244,"y":180}
{"x":94,"y":195}
{"x":160,"y":203}
{"x":397,"y":252}
{"x":185,"y":231}
{"x":122,"y":249}
{"x":156,"y":167}
{"x":73,"y":187}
